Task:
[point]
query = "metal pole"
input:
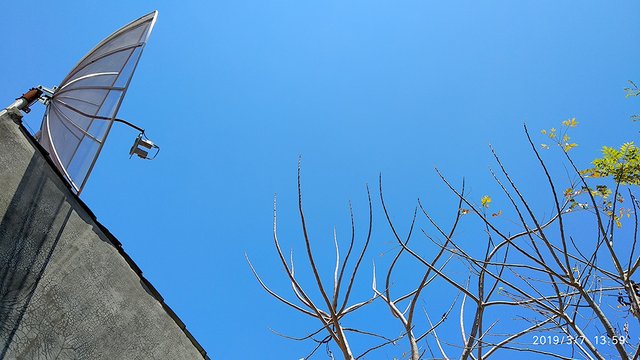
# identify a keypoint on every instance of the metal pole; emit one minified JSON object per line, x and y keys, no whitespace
{"x":23,"y":102}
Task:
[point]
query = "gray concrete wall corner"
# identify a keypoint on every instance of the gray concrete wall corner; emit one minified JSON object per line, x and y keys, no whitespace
{"x":67,"y":290}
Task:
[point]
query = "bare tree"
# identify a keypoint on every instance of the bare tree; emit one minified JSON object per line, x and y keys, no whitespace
{"x":556,"y":286}
{"x":333,"y":306}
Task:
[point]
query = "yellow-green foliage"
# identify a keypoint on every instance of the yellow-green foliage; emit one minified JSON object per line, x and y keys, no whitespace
{"x":562,"y":139}
{"x":485,"y":201}
{"x":622,"y":164}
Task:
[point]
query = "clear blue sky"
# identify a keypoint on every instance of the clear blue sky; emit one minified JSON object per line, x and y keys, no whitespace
{"x":235,"y":91}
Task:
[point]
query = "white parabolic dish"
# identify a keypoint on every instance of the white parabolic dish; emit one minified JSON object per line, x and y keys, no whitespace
{"x":83,"y":107}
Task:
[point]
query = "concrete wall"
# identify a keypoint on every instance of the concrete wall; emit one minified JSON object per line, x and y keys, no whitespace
{"x":67,"y":289}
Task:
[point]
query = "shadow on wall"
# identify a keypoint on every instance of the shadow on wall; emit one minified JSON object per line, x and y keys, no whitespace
{"x":29,"y":232}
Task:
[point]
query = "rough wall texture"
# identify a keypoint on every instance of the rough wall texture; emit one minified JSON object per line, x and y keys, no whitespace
{"x":67,"y":290}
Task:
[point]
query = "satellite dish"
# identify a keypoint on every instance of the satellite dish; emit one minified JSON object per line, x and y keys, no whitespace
{"x":81,"y":110}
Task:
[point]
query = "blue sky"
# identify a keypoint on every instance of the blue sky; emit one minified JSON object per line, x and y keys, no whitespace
{"x":234,"y":92}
